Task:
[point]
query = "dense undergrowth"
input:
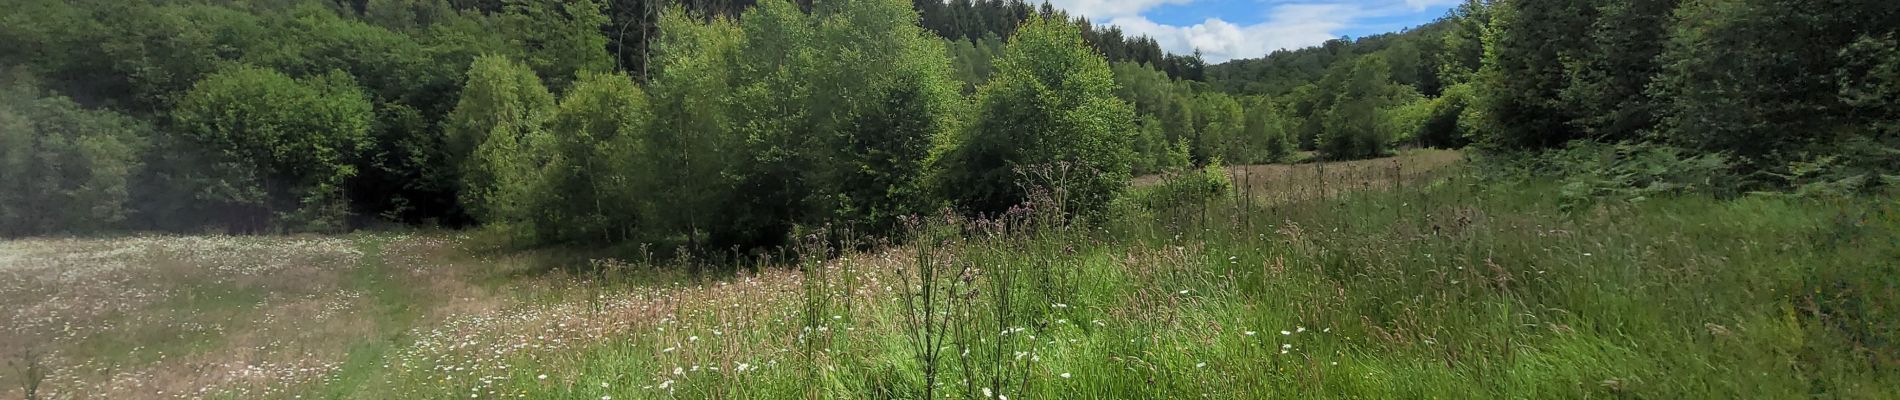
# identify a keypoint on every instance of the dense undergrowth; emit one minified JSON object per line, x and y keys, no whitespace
{"x":1443,"y":286}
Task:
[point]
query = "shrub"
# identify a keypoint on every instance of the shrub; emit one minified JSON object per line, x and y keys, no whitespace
{"x":597,"y":183}
{"x":1631,"y":171}
{"x":496,"y":139}
{"x":283,"y":146}
{"x":63,"y":168}
{"x":1051,"y":102}
{"x":1184,"y":188}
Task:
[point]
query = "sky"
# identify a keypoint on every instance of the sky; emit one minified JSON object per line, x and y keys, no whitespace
{"x":1228,"y":29}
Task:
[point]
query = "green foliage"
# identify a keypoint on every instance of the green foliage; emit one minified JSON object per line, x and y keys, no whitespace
{"x":895,"y":100}
{"x":1524,"y":72}
{"x":1608,"y":80}
{"x":831,"y":117}
{"x":1435,"y":122}
{"x":691,"y":127}
{"x":137,"y":55}
{"x":1048,"y":119}
{"x":284,"y":145}
{"x":496,"y":141}
{"x":1463,"y":48}
{"x":63,"y":168}
{"x":1626,"y":171}
{"x":560,"y":39}
{"x":1267,"y":136}
{"x":1357,"y":124}
{"x":1189,"y":188}
{"x":1449,"y":124}
{"x":598,"y":185}
{"x":1218,"y":124}
{"x":1751,"y":77}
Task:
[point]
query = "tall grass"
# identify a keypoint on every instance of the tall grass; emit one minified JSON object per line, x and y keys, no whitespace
{"x":1435,"y":285}
{"x":1397,"y":281}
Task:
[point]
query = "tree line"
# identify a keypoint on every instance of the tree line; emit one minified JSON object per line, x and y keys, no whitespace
{"x":318,"y":116}
{"x":1784,"y":92}
{"x":719,"y":125}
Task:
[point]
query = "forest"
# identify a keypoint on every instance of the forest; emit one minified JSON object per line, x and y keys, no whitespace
{"x":1709,"y":185}
{"x":723,"y":125}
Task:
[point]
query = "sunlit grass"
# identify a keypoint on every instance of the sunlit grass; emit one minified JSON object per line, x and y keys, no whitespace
{"x":1431,"y":285}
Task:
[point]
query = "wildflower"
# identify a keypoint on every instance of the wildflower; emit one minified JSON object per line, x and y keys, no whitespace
{"x":604,"y":385}
{"x":679,"y":371}
{"x":1065,"y":375}
{"x":1298,"y":329}
{"x":1284,"y":333}
{"x":606,"y":398}
{"x":1200,"y":365}
{"x":1184,"y":291}
{"x":1286,"y":346}
{"x":986,"y":392}
{"x":667,"y":384}
{"x":542,"y":377}
{"x":1248,"y":333}
{"x":692,"y":338}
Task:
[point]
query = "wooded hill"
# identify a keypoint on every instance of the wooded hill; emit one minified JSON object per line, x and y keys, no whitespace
{"x":730,"y":124}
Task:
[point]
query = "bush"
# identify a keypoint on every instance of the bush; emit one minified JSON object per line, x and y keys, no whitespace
{"x":1184,"y":188}
{"x":63,"y":168}
{"x":1051,"y":103}
{"x":596,"y":185}
{"x":283,"y":146}
{"x":496,"y":139}
{"x":1627,"y":171}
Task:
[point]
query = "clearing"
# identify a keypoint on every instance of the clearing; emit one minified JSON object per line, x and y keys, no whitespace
{"x":1412,"y":281}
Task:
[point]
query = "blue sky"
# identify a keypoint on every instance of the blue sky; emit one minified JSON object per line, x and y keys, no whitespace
{"x":1229,"y":29}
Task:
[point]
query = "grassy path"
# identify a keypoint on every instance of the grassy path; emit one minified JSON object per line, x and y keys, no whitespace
{"x":394,"y":308}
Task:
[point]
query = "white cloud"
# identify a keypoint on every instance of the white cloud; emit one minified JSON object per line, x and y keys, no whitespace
{"x":1288,"y":25}
{"x":1421,"y":5}
{"x":1111,"y":8}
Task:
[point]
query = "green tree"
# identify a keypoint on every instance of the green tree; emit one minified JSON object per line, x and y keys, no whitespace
{"x":496,"y":139}
{"x":63,"y":168}
{"x":598,"y":187}
{"x":284,"y":145}
{"x":1051,"y":103}
{"x":1358,"y":123}
{"x":1524,"y":73}
{"x":1218,"y":121}
{"x":559,"y":39}
{"x":1609,"y":77}
{"x":775,"y":109}
{"x":1753,"y":77}
{"x":1267,"y":135}
{"x":893,"y":101}
{"x":1463,"y":48}
{"x":692,"y":133}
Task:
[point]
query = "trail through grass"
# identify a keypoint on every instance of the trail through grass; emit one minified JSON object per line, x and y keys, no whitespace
{"x":1432,"y":285}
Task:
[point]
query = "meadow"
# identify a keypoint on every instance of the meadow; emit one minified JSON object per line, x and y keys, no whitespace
{"x":1407,"y":277}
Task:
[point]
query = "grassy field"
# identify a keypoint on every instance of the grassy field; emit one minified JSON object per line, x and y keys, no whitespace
{"x":1392,"y":278}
